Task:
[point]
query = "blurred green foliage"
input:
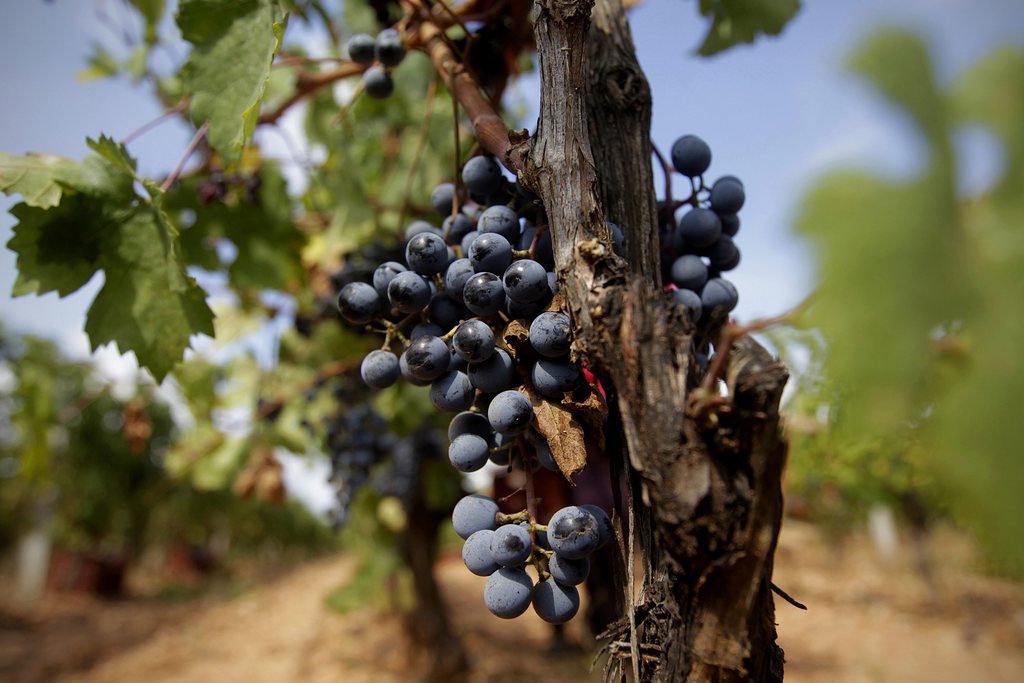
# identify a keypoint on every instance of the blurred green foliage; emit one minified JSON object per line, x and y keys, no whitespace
{"x":918,"y":307}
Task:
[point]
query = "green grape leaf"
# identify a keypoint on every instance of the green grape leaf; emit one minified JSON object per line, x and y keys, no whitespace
{"x":113,"y":151}
{"x":148,"y":304}
{"x":742,"y":21}
{"x":151,"y":11}
{"x":36,"y":177}
{"x":234,"y":42}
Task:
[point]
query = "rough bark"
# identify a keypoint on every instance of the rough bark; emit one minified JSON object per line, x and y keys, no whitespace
{"x":709,"y":477}
{"x":705,"y":475}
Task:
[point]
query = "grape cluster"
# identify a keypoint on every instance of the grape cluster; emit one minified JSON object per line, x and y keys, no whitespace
{"x":445,"y":310}
{"x":358,"y":438}
{"x":379,"y":55}
{"x":501,"y":546}
{"x":698,"y":248}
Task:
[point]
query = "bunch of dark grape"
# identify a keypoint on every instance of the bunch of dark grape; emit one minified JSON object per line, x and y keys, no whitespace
{"x":501,"y":546}
{"x":700,"y":247}
{"x":444,"y":313}
{"x":400,"y":475}
{"x":358,"y":438}
{"x":380,"y":55}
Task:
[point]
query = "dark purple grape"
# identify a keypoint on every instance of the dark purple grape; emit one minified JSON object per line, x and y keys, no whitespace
{"x":473,"y":513}
{"x":508,"y":592}
{"x":377,"y":82}
{"x":691,"y":156}
{"x":358,"y":302}
{"x":555,"y":603}
{"x":474,"y":341}
{"x":379,"y":369}
{"x":481,"y":176}
{"x":573,"y":532}
{"x":511,"y":545}
{"x":361,"y":48}
{"x":389,"y":47}
{"x":526,"y":281}
{"x":484,"y":294}
{"x":509,"y":413}
{"x":428,"y":358}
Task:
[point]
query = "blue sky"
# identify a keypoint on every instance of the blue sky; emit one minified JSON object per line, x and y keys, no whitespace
{"x":778,"y":114}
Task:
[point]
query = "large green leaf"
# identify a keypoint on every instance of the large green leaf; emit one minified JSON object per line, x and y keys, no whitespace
{"x":234,"y":42}
{"x":148,"y":304}
{"x":742,"y":21}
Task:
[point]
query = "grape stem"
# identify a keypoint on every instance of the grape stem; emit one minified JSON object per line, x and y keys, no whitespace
{"x":705,"y":396}
{"x":200,"y":134}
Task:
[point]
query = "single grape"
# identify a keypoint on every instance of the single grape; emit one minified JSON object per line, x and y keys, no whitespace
{"x":503,"y":456}
{"x":511,"y":545}
{"x":508,"y":592}
{"x":509,"y":413}
{"x":469,"y":423}
{"x":555,"y":603}
{"x":573,"y":532}
{"x":500,"y":220}
{"x":474,"y":341}
{"x":473,"y":513}
{"x":427,"y":254}
{"x":484,"y":293}
{"x":727,"y":195}
{"x":604,"y":523}
{"x":526,"y":281}
{"x":468,"y":240}
{"x":476,"y":553}
{"x":718,"y":296}
{"x":419,"y":226}
{"x":482,"y":176}
{"x":361,"y":48}
{"x":490,"y":252}
{"x":452,"y":392}
{"x":494,"y":374}
{"x":358,"y":302}
{"x":553,"y":377}
{"x":527,"y":312}
{"x":409,"y":292}
{"x":455,"y":229}
{"x":455,"y":278}
{"x":724,"y":255}
{"x":377,"y":82}
{"x":384,"y":274}
{"x":379,"y":369}
{"x":442,"y":199}
{"x":389,"y":48}
{"x":445,"y":312}
{"x":699,"y":228}
{"x":568,"y":572}
{"x":550,"y":334}
{"x":689,"y":272}
{"x":730,"y":223}
{"x":468,"y":452}
{"x":428,"y":358}
{"x":691,"y":156}
{"x":691,"y":300}
{"x":426,"y":330}
{"x":403,"y":367}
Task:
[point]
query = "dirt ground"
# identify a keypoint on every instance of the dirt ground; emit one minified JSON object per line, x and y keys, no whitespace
{"x":868,"y":622}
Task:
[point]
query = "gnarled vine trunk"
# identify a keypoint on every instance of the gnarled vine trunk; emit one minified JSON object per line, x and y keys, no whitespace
{"x":708,"y":507}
